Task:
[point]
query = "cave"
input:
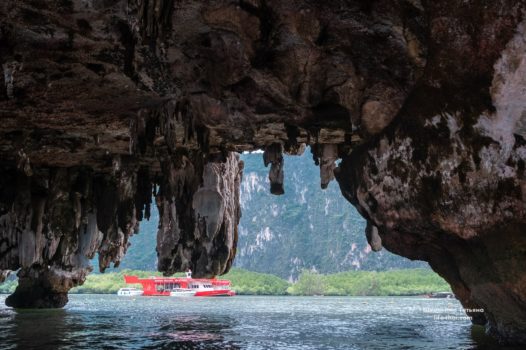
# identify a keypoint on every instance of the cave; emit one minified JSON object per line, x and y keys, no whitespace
{"x":106,"y":103}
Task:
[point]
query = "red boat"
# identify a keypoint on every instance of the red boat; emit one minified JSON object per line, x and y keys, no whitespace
{"x":182,"y":286}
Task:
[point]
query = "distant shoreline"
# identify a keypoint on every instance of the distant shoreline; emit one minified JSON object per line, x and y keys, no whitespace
{"x":285,"y":296}
{"x":404,"y":282}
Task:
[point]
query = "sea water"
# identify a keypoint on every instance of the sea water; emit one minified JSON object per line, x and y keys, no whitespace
{"x":242,"y":322}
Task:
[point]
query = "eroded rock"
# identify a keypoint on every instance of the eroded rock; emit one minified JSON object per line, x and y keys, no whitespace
{"x":45,"y":287}
{"x":273,"y":155}
{"x":373,"y":237}
{"x":327,"y":161}
{"x":199,"y":209}
{"x":3,"y":275}
{"x":445,"y":184}
{"x":54,"y":221}
{"x":104,"y":103}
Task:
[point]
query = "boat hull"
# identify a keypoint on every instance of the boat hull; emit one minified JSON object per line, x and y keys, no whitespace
{"x":215,"y":293}
{"x":128,"y":293}
{"x":188,"y":294}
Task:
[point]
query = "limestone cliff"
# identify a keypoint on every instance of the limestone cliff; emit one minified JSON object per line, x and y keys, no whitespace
{"x":105,"y":102}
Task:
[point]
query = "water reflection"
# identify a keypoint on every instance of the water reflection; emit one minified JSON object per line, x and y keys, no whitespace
{"x":192,"y":332}
{"x":110,"y":322}
{"x":69,"y":329}
{"x":42,"y":329}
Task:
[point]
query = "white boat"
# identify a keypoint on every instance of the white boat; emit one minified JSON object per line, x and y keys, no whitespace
{"x":129,"y":292}
{"x":182,"y":292}
{"x":441,"y":295}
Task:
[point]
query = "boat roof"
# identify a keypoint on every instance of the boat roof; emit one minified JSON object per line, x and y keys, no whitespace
{"x":159,"y":280}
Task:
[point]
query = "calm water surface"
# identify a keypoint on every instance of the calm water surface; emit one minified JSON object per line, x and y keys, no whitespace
{"x":242,"y":322}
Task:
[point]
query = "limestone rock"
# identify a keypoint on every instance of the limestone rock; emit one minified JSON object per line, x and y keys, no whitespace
{"x":373,"y":237}
{"x":47,"y":287}
{"x":3,"y":275}
{"x":273,"y":155}
{"x":106,"y":103}
{"x":327,"y":161}
{"x":445,"y":184}
{"x":199,"y":209}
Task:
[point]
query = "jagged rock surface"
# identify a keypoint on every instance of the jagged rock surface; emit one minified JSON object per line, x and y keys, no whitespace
{"x":105,"y":102}
{"x":273,"y":155}
{"x":446,"y":182}
{"x":199,"y":213}
{"x":53,"y":221}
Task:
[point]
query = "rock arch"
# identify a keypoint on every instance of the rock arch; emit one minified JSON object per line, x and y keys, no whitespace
{"x":104,"y":103}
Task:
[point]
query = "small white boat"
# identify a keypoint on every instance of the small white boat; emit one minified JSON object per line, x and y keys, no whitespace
{"x":441,"y":295}
{"x":182,"y":292}
{"x":129,"y":292}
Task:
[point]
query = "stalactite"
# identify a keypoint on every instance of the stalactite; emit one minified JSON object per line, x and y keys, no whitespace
{"x":273,"y":155}
{"x":179,"y":181}
{"x":143,"y":195}
{"x":116,"y":215}
{"x":58,"y":219}
{"x":373,"y":237}
{"x":4,"y":274}
{"x":155,"y":17}
{"x":328,"y":157}
{"x":9,"y":78}
{"x":198,"y":228}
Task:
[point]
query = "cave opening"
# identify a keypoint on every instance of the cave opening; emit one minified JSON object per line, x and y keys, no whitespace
{"x":305,"y":228}
{"x":293,"y":220}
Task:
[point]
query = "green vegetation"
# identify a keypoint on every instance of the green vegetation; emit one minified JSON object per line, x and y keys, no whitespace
{"x":255,"y":283}
{"x":369,"y":283}
{"x":8,"y":286}
{"x":111,"y":282}
{"x":353,"y":283}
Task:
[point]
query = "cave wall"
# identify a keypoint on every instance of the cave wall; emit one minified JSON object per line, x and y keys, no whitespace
{"x":144,"y":94}
{"x":53,"y":220}
{"x":445,"y":183}
{"x":104,"y":103}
